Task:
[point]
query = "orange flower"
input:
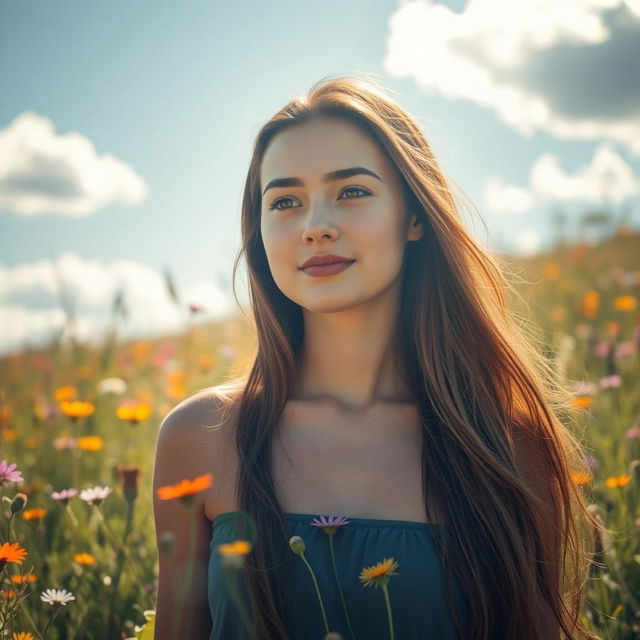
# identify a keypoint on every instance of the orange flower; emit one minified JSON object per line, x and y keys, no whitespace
{"x":65,"y":393}
{"x":378,"y":574}
{"x":625,"y":303}
{"x":589,"y":304}
{"x":26,"y":577}
{"x":77,"y":409}
{"x":11,"y":552}
{"x":7,"y":594}
{"x":9,"y":435}
{"x":5,"y":415}
{"x":206,"y":362}
{"x":237,"y":547}
{"x":84,"y":371}
{"x":23,"y":635}
{"x":618,"y":481}
{"x":34,"y":514}
{"x":133,"y":412}
{"x":31,"y":442}
{"x":579,"y":477}
{"x":90,"y":443}
{"x":84,"y":558}
{"x":175,"y":387}
{"x":558,"y":315}
{"x":185,"y":488}
{"x":583,"y":402}
{"x":551,"y":271}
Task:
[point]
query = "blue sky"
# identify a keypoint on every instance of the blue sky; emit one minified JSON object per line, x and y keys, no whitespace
{"x":126,"y":131}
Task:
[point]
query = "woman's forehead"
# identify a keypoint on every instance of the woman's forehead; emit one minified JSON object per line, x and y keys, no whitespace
{"x":317,"y":147}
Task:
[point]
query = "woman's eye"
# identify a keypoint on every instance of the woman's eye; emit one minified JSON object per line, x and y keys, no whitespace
{"x":275,"y":203}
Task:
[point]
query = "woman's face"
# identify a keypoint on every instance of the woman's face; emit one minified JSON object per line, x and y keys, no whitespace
{"x":360,"y":217}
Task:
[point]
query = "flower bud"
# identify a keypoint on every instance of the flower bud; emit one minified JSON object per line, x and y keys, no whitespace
{"x":18,"y":503}
{"x":296,"y":543}
{"x":167,"y":543}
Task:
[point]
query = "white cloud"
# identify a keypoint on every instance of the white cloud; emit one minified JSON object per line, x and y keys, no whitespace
{"x":504,"y":198}
{"x":42,"y":172}
{"x":92,"y":286}
{"x":528,"y":241}
{"x":606,"y":178}
{"x":567,"y":68}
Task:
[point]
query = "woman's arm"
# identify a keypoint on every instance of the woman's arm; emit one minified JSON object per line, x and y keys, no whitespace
{"x":179,"y":456}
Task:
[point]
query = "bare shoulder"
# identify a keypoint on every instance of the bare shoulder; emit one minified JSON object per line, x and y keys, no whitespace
{"x":196,"y":437}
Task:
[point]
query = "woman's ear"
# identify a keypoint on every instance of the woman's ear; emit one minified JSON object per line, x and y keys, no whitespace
{"x":416,"y":229}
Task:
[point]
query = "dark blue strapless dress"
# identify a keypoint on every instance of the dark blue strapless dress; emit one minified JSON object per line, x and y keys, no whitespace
{"x":417,"y":594}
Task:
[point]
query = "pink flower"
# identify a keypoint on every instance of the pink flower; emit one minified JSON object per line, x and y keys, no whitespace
{"x":64,"y":442}
{"x":584,"y":388}
{"x":9,"y":473}
{"x":601,"y":349}
{"x":95,"y":495}
{"x":610,"y":382}
{"x":632,"y":434}
{"x":64,"y":495}
{"x":624,"y":350}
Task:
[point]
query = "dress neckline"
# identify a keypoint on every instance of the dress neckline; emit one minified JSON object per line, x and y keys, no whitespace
{"x":357,"y":522}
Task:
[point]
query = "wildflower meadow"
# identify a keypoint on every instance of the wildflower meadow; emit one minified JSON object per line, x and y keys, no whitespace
{"x":78,"y":427}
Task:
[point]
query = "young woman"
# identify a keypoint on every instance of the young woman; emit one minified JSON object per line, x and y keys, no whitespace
{"x":391,"y":385}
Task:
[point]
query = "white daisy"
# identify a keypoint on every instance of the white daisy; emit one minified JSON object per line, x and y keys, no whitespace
{"x":57,"y":596}
{"x":95,"y":495}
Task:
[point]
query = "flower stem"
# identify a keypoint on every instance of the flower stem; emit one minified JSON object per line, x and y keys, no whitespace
{"x":335,"y":573}
{"x":235,"y":596}
{"x":388,"y":603}
{"x":315,"y":582}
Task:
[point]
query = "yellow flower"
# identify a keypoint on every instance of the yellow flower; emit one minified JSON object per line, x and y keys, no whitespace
{"x":133,"y":412}
{"x":76,"y":408}
{"x":84,"y":558}
{"x":90,"y":443}
{"x":579,"y":477}
{"x":26,"y":577}
{"x":65,"y":393}
{"x":583,"y":402}
{"x":34,"y":514}
{"x":624,"y":303}
{"x":378,"y":574}
{"x":618,"y":481}
{"x":22,"y":635}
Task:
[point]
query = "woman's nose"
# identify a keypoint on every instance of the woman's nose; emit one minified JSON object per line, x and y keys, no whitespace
{"x":319,"y":223}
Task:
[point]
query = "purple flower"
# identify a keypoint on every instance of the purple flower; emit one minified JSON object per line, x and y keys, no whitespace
{"x":9,"y":473}
{"x":331,"y":524}
{"x":592,"y":462}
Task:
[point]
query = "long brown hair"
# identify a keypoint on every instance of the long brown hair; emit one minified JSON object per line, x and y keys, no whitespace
{"x":475,"y":369}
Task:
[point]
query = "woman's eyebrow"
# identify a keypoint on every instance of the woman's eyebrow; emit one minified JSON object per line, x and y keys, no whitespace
{"x":339,"y":174}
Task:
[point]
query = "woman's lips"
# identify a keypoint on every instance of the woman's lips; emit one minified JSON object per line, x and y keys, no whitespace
{"x":327,"y":269}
